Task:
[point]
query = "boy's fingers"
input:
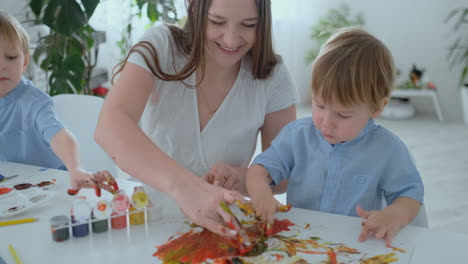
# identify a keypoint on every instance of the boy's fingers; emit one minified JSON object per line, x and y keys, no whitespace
{"x":388,"y":239}
{"x":361,"y":212}
{"x":381,"y":233}
{"x":364,"y":233}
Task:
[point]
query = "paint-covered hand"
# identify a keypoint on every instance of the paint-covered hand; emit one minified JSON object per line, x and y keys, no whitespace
{"x":382,"y":224}
{"x":201,"y":203}
{"x":226,"y":176}
{"x":80,"y":178}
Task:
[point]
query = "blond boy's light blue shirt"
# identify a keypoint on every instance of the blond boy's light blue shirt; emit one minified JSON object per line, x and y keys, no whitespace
{"x":27,"y":124}
{"x":376,"y":165}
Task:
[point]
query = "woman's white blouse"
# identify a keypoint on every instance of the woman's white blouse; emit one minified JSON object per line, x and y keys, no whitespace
{"x":171,"y":116}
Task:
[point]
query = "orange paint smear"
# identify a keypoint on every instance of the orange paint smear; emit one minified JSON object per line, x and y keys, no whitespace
{"x":196,"y":247}
{"x":5,"y":190}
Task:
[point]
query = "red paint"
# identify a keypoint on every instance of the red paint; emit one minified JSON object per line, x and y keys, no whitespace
{"x":278,"y":226}
{"x":97,"y":190}
{"x":196,"y":247}
{"x":118,"y":222}
{"x":72,"y":192}
{"x":5,"y":190}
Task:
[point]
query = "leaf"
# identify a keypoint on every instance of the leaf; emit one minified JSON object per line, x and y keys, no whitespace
{"x":36,"y":6}
{"x":64,"y":16}
{"x":152,"y":12}
{"x":90,"y":6}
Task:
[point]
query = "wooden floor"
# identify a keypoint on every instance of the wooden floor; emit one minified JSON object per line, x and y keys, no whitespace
{"x":441,"y":154}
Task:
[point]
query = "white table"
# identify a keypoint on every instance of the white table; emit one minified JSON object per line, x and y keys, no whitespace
{"x":432,"y":94}
{"x":136,"y":244}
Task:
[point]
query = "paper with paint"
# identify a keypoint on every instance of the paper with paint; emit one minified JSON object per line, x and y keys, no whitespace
{"x":289,"y":242}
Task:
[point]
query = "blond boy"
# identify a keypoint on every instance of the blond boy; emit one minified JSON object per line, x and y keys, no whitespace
{"x":30,"y":131}
{"x":340,"y":161}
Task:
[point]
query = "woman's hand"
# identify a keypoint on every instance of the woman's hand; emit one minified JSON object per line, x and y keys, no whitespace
{"x":223,"y":175}
{"x":382,"y":224}
{"x":201,"y":203}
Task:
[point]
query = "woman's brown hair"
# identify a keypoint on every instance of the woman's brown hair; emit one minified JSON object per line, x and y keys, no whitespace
{"x":190,"y":41}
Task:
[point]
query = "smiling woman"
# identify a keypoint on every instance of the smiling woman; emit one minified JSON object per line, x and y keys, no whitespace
{"x":201,"y":94}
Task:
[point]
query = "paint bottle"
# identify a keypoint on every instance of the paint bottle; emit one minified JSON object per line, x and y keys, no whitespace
{"x":120,"y":203}
{"x":59,"y":226}
{"x":137,"y":217}
{"x":118,"y":221}
{"x":100,"y":217}
{"x":80,"y":215}
{"x":139,"y":198}
{"x":79,"y":228}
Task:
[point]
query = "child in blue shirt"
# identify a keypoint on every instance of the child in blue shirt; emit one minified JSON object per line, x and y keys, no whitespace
{"x":30,"y":131}
{"x":340,"y":161}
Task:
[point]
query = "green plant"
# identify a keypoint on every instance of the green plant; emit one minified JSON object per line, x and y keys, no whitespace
{"x":458,"y":51}
{"x":66,"y":53}
{"x":155,"y":11}
{"x":335,"y":19}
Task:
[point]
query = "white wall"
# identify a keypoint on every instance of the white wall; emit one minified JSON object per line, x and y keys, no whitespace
{"x":413,"y":30}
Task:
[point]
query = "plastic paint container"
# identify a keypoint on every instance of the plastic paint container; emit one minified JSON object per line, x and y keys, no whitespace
{"x":137,"y":217}
{"x":79,"y":230}
{"x":99,"y":226}
{"x":80,"y":215}
{"x":118,"y":221}
{"x":59,"y":226}
{"x":100,"y":216}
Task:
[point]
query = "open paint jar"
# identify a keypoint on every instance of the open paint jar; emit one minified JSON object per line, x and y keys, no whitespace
{"x":59,"y":226}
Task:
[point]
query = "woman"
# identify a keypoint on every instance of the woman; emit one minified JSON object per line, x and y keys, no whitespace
{"x":202,"y":93}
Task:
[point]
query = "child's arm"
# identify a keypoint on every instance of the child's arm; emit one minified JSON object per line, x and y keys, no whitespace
{"x":66,"y":147}
{"x":386,"y":223}
{"x":258,"y":186}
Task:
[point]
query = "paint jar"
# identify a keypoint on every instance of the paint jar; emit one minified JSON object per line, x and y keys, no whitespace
{"x":154,"y":212}
{"x":99,"y":226}
{"x":59,"y":226}
{"x":80,"y":215}
{"x":100,"y":216}
{"x":79,"y":229}
{"x":118,"y":221}
{"x":137,"y":217}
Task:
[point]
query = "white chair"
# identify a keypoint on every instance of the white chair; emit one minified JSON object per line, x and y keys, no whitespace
{"x":79,"y":114}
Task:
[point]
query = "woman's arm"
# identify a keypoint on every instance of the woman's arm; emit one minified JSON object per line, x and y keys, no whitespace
{"x":119,"y":135}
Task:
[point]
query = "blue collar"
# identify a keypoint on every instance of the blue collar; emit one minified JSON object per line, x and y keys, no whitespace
{"x":13,"y":94}
{"x":364,"y":132}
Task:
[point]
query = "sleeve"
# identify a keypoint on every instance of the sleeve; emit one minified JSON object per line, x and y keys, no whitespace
{"x":47,"y":122}
{"x":158,"y":37}
{"x":278,"y":159}
{"x":401,"y":177}
{"x":282,"y":91}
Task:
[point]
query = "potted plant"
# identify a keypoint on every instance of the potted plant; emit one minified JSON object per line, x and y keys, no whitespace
{"x":155,"y":11}
{"x":66,"y":53}
{"x":335,"y":19}
{"x":458,"y":52}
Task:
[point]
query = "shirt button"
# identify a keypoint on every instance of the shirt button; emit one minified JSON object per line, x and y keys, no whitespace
{"x":361,"y":179}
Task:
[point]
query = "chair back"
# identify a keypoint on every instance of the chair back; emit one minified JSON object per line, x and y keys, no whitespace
{"x":79,"y":113}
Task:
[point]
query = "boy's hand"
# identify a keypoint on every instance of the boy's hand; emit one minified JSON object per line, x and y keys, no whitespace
{"x":80,"y":178}
{"x":382,"y":224}
{"x":223,"y":175}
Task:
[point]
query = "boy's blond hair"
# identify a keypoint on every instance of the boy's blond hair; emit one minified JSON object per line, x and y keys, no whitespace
{"x":12,"y":30}
{"x":353,"y":67}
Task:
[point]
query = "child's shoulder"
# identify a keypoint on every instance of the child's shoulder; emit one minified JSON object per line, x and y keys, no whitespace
{"x":31,"y":93}
{"x":387,"y":137}
{"x":301,"y":125}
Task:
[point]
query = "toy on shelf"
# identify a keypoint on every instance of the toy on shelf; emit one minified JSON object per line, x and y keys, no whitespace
{"x":416,"y":80}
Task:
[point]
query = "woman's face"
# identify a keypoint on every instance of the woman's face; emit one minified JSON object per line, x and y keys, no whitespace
{"x":231,"y":31}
